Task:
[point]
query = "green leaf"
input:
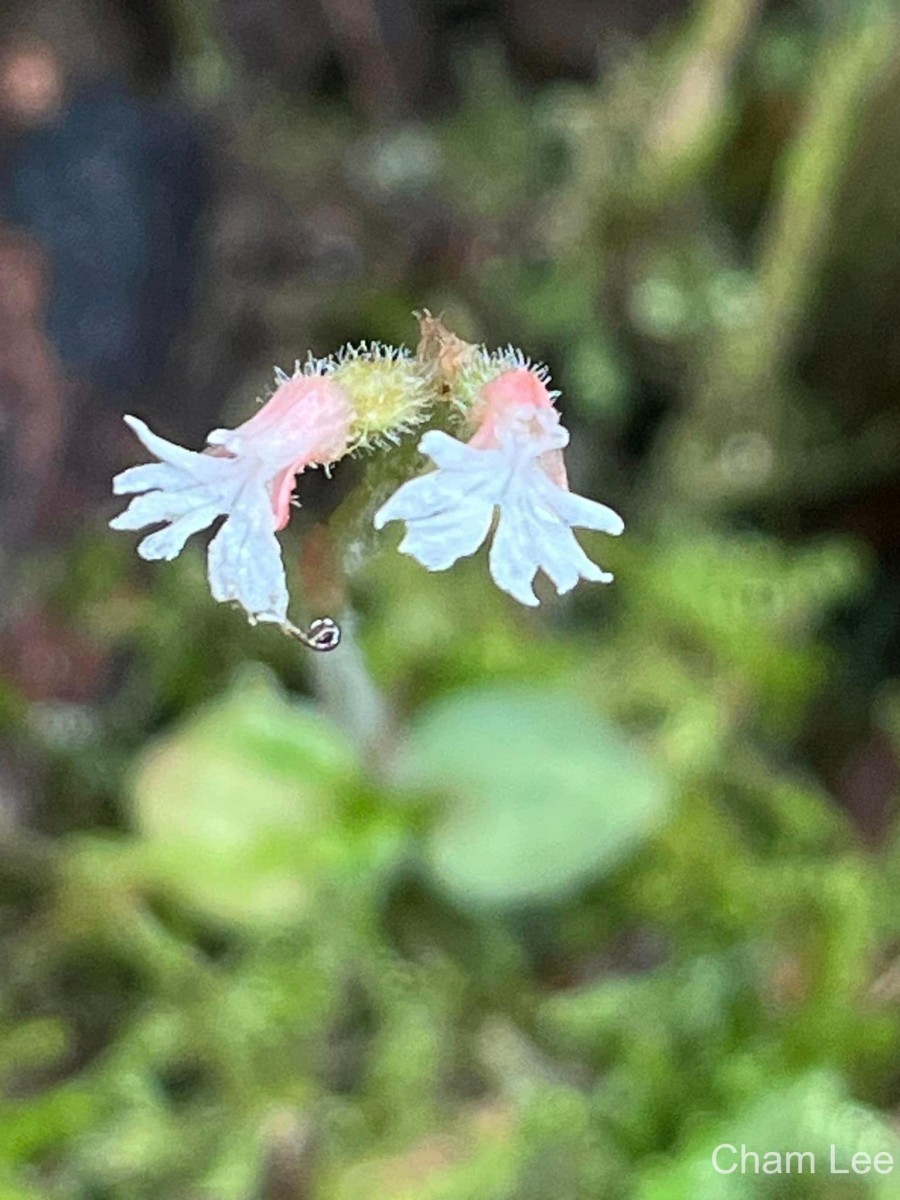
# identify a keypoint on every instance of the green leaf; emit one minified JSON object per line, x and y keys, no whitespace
{"x":808,"y":1114}
{"x":236,"y":807}
{"x":544,"y":794}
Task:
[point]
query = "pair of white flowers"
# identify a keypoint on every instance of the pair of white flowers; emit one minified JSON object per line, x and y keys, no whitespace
{"x":511,"y":469}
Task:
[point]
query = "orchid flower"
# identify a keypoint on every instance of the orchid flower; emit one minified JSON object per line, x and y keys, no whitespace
{"x":246,"y":475}
{"x":513,"y":465}
{"x":507,"y":483}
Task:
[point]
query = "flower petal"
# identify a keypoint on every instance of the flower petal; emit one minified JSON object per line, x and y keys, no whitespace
{"x":553,"y":544}
{"x":153,"y":507}
{"x":245,"y":561}
{"x":431,"y":495}
{"x":147,"y":476}
{"x":577,"y":510}
{"x":564,"y":561}
{"x":438,"y":542}
{"x":167,"y":543}
{"x":200,"y":466}
{"x":450,"y":454}
{"x":512,"y":561}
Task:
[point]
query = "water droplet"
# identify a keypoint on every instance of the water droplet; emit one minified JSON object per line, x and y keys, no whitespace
{"x":323,"y":634}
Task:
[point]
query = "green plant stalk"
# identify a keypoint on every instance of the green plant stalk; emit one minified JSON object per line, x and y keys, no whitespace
{"x":739,"y":385}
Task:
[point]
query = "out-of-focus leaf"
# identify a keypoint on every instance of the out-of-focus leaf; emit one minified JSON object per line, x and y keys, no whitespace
{"x":231,"y":805}
{"x":755,"y":605}
{"x":15,"y":1189}
{"x":32,"y":1044}
{"x":596,"y":378}
{"x":544,"y":795}
{"x":33,"y":1126}
{"x":809,"y":1115}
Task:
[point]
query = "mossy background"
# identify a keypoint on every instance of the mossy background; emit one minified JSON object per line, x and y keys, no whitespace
{"x":488,"y":904}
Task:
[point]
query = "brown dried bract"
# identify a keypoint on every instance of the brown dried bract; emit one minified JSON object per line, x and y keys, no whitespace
{"x":441,"y":350}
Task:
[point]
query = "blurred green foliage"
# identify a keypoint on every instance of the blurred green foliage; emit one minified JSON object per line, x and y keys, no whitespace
{"x":495,"y":905}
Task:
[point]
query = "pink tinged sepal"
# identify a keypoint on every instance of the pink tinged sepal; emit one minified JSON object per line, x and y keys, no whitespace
{"x":306,"y":421}
{"x":449,"y":511}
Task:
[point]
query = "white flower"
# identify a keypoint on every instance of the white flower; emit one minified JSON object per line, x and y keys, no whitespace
{"x":188,"y":491}
{"x":247,"y":478}
{"x":449,"y":512}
